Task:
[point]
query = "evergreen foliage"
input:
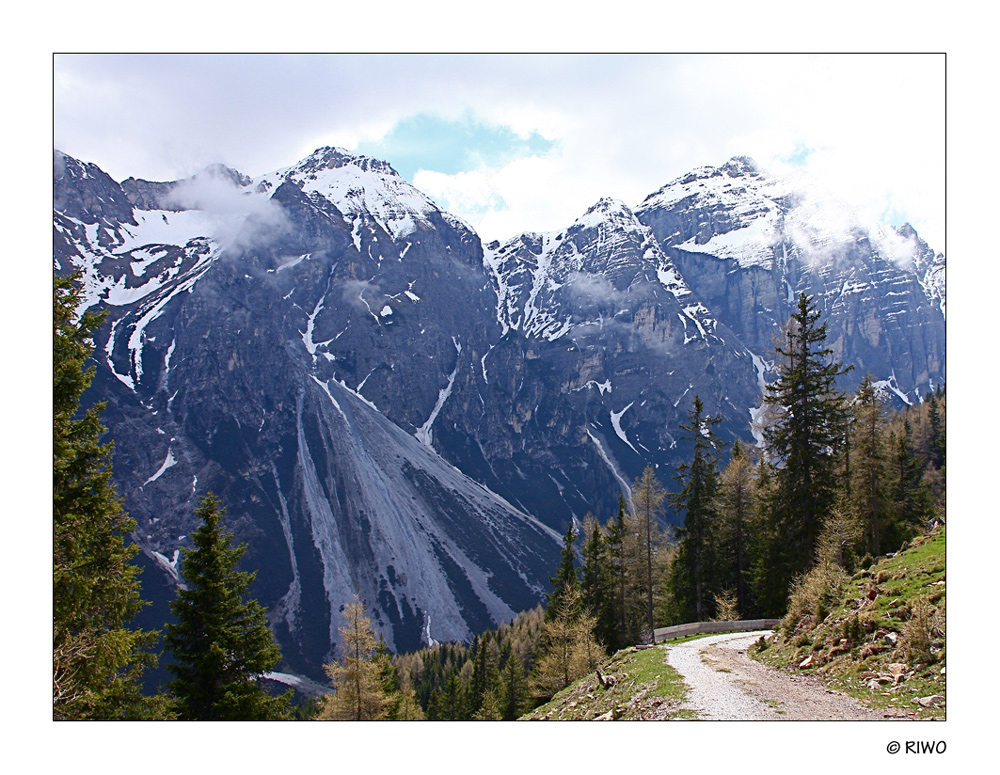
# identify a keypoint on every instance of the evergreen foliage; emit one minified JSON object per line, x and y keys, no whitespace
{"x":453,"y":681}
{"x":624,"y":550}
{"x":97,"y":660}
{"x":694,"y":576}
{"x":807,"y":432}
{"x":566,"y":576}
{"x":910,"y":496}
{"x":484,"y":684}
{"x":220,"y":643}
{"x":867,"y":486}
{"x":516,"y":696}
{"x":597,"y":583}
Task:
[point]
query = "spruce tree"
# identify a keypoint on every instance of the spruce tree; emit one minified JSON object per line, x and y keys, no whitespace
{"x":97,"y":660}
{"x":220,"y":642}
{"x":694,"y":567}
{"x":807,"y":432}
{"x":515,"y":695}
{"x":597,"y":582}
{"x":454,"y":700}
{"x":910,"y":497}
{"x":768,"y":590}
{"x":485,"y":679}
{"x":868,"y":486}
{"x":624,"y":549}
{"x":566,"y":575}
{"x":937,"y":436}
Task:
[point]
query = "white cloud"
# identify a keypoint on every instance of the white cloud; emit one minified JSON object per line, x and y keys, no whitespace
{"x":624,"y":125}
{"x":237,"y":216}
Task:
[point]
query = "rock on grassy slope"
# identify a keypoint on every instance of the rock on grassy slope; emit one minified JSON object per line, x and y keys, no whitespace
{"x":878,"y":635}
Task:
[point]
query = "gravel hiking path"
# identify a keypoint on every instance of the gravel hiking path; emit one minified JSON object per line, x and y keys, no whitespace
{"x":725,"y":684}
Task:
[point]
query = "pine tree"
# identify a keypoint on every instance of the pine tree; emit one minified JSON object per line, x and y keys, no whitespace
{"x":566,"y":576}
{"x":617,"y":532}
{"x":97,"y":660}
{"x":358,"y":678}
{"x":220,"y":642}
{"x":868,"y":486}
{"x":937,"y":443}
{"x":625,"y":549}
{"x":485,"y":680}
{"x":597,"y":582}
{"x":768,"y":589}
{"x":910,"y":497}
{"x":515,"y":697}
{"x":454,"y":705}
{"x":806,"y":433}
{"x":695,"y":565}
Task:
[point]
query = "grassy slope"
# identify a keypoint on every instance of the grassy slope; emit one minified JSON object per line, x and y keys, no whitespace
{"x":647,"y":687}
{"x":880,"y":637}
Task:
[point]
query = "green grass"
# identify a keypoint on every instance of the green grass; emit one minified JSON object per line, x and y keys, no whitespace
{"x":882,"y":638}
{"x":646,"y":685}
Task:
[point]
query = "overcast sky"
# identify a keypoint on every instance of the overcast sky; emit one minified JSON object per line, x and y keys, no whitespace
{"x":514,"y":142}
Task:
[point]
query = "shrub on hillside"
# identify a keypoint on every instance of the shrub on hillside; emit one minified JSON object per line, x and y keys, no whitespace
{"x":920,"y":632}
{"x":812,"y":596}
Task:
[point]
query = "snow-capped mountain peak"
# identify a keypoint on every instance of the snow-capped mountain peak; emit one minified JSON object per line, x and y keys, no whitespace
{"x":358,"y":186}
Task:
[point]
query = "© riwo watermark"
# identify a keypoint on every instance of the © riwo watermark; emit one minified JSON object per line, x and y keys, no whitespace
{"x":917,"y":746}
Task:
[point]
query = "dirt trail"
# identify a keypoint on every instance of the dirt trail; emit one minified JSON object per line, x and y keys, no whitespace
{"x":725,"y":684}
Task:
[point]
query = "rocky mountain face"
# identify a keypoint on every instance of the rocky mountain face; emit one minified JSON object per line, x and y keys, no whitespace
{"x":750,"y":244}
{"x":390,"y":408}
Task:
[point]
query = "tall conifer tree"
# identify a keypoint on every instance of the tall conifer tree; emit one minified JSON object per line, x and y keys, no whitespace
{"x":868,"y":481}
{"x":97,"y":660}
{"x":566,"y":577}
{"x":695,"y":567}
{"x":515,"y":693}
{"x":221,"y":643}
{"x":597,"y":582}
{"x":567,"y":649}
{"x":803,"y":440}
{"x":910,"y":497}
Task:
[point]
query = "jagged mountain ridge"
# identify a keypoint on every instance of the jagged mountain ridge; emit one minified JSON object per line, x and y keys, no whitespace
{"x":275,"y":339}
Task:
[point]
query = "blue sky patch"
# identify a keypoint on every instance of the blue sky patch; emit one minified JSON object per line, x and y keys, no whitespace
{"x":428,"y":142}
{"x":799,"y":156}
